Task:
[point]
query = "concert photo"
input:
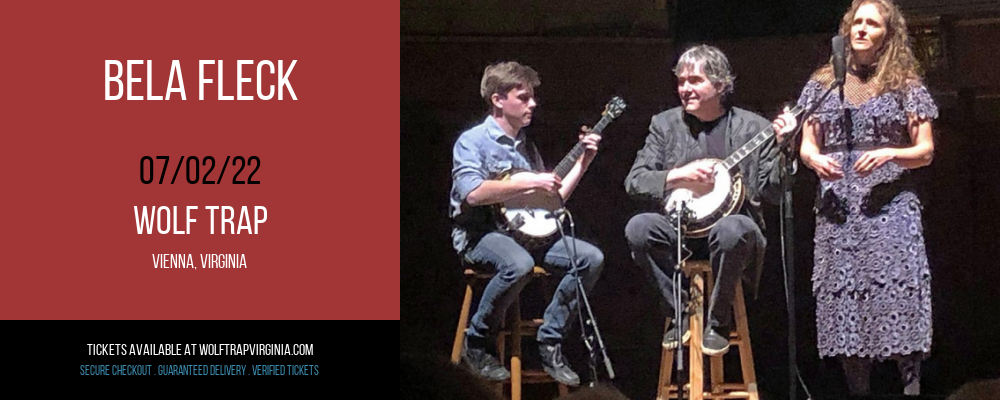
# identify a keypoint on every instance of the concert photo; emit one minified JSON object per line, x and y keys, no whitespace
{"x":715,"y":199}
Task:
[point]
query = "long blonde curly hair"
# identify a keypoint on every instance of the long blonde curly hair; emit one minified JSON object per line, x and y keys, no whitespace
{"x":896,"y":66}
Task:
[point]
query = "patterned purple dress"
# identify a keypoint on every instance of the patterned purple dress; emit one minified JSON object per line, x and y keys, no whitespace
{"x":870,"y":279}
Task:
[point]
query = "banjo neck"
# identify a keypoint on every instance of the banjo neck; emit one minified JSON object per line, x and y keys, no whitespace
{"x":567,"y":163}
{"x":753,"y":144}
{"x":531,"y":218}
{"x":727,"y":194}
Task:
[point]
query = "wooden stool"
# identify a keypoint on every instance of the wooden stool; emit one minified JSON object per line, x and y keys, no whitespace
{"x":520,"y":327}
{"x":700,"y":274}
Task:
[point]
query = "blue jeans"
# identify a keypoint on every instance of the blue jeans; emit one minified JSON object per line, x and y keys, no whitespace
{"x":513,"y":265}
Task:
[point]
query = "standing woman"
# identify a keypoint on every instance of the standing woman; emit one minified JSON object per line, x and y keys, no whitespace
{"x":871,"y":279}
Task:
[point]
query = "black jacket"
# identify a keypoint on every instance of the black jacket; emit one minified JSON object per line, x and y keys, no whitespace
{"x":671,"y":144}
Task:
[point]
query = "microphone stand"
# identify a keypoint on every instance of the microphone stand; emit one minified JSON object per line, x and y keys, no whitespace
{"x":788,"y":239}
{"x":788,"y":264}
{"x":681,"y":219}
{"x":592,"y":336}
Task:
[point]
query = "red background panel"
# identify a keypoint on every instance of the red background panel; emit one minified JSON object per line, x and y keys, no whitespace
{"x":329,"y":167}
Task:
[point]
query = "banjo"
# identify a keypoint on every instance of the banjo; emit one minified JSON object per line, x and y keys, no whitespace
{"x":704,"y":210}
{"x":531,"y":218}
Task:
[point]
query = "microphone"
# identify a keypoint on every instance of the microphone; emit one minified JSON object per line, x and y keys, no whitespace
{"x":558,"y":213}
{"x":840,"y":75}
{"x":839,"y":60}
{"x":682,"y":211}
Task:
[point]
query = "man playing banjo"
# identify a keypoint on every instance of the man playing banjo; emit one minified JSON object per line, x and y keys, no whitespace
{"x":481,"y":156}
{"x":673,"y":159}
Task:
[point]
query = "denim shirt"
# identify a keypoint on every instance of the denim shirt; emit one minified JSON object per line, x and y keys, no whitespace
{"x":482,"y":153}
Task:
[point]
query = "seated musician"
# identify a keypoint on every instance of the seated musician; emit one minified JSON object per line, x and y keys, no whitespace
{"x":481,"y":154}
{"x":680,"y":140}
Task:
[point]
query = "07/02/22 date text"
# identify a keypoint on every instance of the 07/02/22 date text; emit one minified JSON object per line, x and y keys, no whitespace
{"x":193,"y":169}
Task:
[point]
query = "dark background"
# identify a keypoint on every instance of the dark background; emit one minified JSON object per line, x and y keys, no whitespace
{"x":53,"y":351}
{"x":588,"y":51}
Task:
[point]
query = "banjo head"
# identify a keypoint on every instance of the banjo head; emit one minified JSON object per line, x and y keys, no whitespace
{"x":535,"y":199}
{"x":530,"y":217}
{"x":705,"y":204}
{"x":707,"y":208}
